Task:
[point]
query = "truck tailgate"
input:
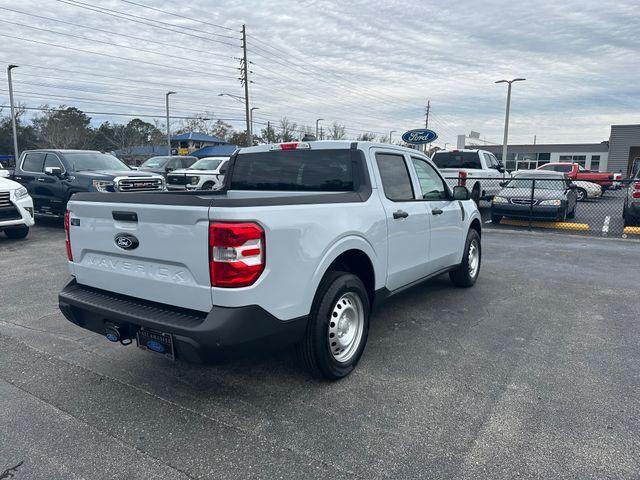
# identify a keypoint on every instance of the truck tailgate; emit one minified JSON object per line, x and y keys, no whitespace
{"x":169,"y":264}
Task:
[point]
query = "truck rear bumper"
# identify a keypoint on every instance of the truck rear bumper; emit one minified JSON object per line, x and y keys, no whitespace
{"x":222,"y":334}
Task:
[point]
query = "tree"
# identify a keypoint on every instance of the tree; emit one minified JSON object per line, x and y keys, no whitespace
{"x":26,"y":134}
{"x":63,"y":127}
{"x":336,"y":132}
{"x":268,"y":134}
{"x":205,"y":123}
{"x":366,"y":137}
{"x":238,"y":138}
{"x":287,"y":130}
{"x":123,"y":137}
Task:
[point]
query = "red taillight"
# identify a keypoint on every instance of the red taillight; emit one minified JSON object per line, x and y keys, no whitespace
{"x":236,"y":254}
{"x":67,"y":236}
{"x":636,"y":194}
{"x":636,"y":186}
{"x":462,"y":178}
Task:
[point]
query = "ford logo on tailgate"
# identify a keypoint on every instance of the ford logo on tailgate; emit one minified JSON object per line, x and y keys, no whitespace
{"x":126,"y":241}
{"x":419,"y":136}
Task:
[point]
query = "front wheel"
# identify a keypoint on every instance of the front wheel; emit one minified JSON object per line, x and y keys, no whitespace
{"x":338,"y":327}
{"x":467,"y":272}
{"x":17,"y":233}
{"x":581,"y":194}
{"x":207,"y":186}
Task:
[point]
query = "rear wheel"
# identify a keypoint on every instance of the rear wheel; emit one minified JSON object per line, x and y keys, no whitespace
{"x":467,"y":273}
{"x":338,"y":327}
{"x":207,"y":186}
{"x":581,"y":193}
{"x":17,"y":233}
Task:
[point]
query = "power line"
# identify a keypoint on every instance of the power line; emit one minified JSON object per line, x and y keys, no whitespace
{"x":163,"y":54}
{"x":105,"y":54}
{"x":120,"y":34}
{"x":149,"y":22}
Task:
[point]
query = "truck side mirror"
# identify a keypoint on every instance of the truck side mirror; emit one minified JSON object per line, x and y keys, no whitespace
{"x":503,"y":184}
{"x":500,"y":168}
{"x":461,"y":193}
{"x":53,"y":171}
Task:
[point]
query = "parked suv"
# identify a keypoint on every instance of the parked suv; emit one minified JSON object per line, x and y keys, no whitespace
{"x":479,"y":170}
{"x":165,"y":164}
{"x":52,"y":176}
{"x":631,"y":211}
{"x":16,"y":209}
{"x":205,"y":174}
{"x":296,"y":249}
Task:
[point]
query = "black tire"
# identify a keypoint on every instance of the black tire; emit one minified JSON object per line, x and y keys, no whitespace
{"x":17,"y":233}
{"x":581,"y":194}
{"x":475,"y":194}
{"x":315,"y":349}
{"x":207,"y":186}
{"x":462,"y":276}
{"x":496,"y":218}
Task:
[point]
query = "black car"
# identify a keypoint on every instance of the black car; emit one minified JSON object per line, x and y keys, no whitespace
{"x":535,"y":195}
{"x":163,"y":165}
{"x":52,"y":176}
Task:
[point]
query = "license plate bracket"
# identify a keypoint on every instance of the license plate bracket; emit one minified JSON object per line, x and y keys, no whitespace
{"x":154,"y":341}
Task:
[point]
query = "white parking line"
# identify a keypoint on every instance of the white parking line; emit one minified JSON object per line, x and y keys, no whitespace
{"x":605,"y":226}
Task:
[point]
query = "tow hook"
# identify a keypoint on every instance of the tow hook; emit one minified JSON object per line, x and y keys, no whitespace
{"x":113,"y":334}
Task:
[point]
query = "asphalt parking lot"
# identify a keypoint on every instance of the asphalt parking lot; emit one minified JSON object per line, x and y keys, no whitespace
{"x":533,"y":373}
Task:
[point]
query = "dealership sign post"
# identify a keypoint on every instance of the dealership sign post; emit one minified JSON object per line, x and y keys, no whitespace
{"x":419,"y":136}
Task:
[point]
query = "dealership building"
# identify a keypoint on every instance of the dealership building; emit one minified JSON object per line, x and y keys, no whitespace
{"x":619,"y":154}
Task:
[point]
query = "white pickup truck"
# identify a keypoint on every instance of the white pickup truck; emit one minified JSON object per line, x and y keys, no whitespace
{"x":296,"y":248}
{"x":481,"y":170}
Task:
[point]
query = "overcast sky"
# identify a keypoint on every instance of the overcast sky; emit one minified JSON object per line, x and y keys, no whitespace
{"x":369,"y":65}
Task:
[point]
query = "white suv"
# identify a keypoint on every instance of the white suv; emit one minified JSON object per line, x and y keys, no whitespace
{"x":205,"y":174}
{"x":16,"y":209}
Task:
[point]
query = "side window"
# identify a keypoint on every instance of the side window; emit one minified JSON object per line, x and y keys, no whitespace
{"x":174,"y":163}
{"x":494,"y":160}
{"x":564,"y":168}
{"x":33,"y":162}
{"x":488,"y":161}
{"x":52,"y":160}
{"x":187,"y":162}
{"x":431,"y":184}
{"x":547,"y":167}
{"x":396,"y":181}
{"x":223,"y":167}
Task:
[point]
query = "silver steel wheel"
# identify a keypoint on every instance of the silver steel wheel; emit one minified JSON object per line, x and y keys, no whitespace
{"x":346,"y":326}
{"x":474,"y":258}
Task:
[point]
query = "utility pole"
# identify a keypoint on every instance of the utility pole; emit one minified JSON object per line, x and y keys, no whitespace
{"x":13,"y":113}
{"x":391,"y":135}
{"x":321,"y":133}
{"x":317,"y":122}
{"x":535,"y":137}
{"x":168,"y":125}
{"x":426,"y":119}
{"x":506,"y":118}
{"x":245,"y":81}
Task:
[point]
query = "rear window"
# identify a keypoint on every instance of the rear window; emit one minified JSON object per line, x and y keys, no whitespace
{"x":294,"y":170}
{"x":457,"y":160}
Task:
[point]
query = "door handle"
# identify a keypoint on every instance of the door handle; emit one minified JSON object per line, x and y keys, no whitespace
{"x":40,"y":179}
{"x":437,"y":211}
{"x":400,"y":214}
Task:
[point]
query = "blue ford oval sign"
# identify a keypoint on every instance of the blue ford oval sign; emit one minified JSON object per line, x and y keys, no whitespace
{"x":419,"y":136}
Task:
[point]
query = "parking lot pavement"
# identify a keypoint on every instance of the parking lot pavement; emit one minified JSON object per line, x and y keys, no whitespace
{"x":601,"y":217}
{"x":531,"y":373}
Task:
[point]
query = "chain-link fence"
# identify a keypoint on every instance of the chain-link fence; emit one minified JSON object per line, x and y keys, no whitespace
{"x":610,"y":208}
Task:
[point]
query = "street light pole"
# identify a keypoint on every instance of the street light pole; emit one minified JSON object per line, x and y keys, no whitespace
{"x":317,"y":123}
{"x":391,"y":134}
{"x":13,"y":113}
{"x":168,"y":126}
{"x":506,"y":118}
{"x":251,"y":114}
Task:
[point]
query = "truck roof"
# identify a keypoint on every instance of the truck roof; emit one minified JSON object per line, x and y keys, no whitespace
{"x":61,"y":150}
{"x":326,"y":145}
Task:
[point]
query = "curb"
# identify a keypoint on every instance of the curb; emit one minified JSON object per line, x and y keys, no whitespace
{"x":553,"y":225}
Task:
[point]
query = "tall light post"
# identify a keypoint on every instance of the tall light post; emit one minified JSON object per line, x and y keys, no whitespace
{"x":168,"y":125}
{"x":251,"y":116}
{"x":506,"y":118}
{"x":391,"y":135}
{"x":13,"y":113}
{"x":238,"y":98}
{"x":317,"y":125}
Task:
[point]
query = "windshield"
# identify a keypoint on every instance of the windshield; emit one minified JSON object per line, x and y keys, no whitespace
{"x":541,"y":183}
{"x":88,"y":161}
{"x":295,"y":170}
{"x":457,"y":160}
{"x":206,"y":164}
{"x":155,"y":162}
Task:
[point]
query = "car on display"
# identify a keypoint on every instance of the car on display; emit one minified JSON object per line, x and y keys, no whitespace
{"x":164,"y":164}
{"x":16,"y":209}
{"x":205,"y":174}
{"x":479,"y":170}
{"x":52,"y":176}
{"x":631,"y":209}
{"x":4,"y":173}
{"x":552,"y":197}
{"x":302,"y":241}
{"x":575,"y":171}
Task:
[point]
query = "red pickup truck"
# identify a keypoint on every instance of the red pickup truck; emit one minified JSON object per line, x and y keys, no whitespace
{"x":576,"y":172}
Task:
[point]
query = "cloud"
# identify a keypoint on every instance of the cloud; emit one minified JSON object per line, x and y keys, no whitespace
{"x":371,"y":66}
